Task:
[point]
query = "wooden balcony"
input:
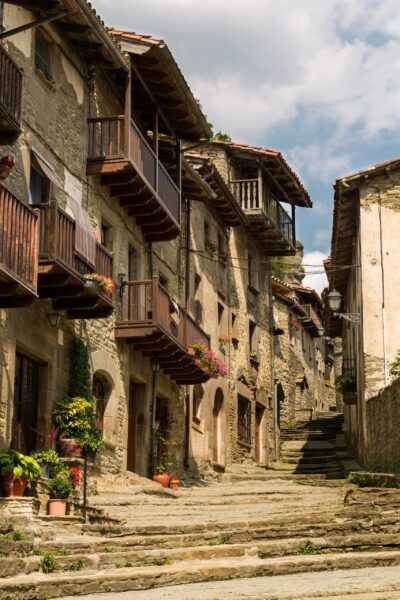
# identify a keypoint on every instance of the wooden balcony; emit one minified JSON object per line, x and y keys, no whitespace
{"x":268,"y":218}
{"x":62,"y":269}
{"x":147,"y":323}
{"x":10,"y":98}
{"x":311,"y":318}
{"x":18,"y":251}
{"x":126,"y":162}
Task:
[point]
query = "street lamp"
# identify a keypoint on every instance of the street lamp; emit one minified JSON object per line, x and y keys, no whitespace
{"x":335,"y":301}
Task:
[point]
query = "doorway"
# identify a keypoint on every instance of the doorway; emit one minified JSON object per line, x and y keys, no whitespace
{"x":259,"y":437}
{"x":217,"y":414}
{"x":25,"y":406}
{"x":132,"y":407}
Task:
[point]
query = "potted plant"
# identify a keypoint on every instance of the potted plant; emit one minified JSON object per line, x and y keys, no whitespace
{"x":174,"y":483}
{"x":165,"y":460}
{"x":73,"y":417}
{"x":7,"y":164}
{"x":106,"y":284}
{"x":49,"y":460}
{"x":211,"y":246}
{"x":345,"y":384}
{"x":60,"y":490}
{"x":16,"y":469}
{"x":208,"y":361}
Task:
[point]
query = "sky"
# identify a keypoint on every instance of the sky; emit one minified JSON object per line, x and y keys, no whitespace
{"x":318,"y":80}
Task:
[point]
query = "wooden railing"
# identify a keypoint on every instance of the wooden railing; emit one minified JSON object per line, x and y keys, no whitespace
{"x":247,"y":193}
{"x":311,"y":314}
{"x":107,"y":142}
{"x":57,"y":242}
{"x":147,"y":302}
{"x":10,"y":86}
{"x":18,"y":237}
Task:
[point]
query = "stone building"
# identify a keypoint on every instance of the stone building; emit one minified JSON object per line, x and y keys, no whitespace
{"x":363,"y":262}
{"x":302,"y":357}
{"x":87,"y":169}
{"x":97,"y":122}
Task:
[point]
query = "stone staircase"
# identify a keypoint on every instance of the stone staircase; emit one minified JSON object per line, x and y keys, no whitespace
{"x":309,"y":448}
{"x":238,"y":528}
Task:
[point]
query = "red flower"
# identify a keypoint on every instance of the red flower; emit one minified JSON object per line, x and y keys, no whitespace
{"x":75,"y":475}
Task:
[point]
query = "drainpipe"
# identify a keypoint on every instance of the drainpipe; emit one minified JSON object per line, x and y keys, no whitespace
{"x":187,"y":294}
{"x":152,"y":469}
{"x":386,"y":376}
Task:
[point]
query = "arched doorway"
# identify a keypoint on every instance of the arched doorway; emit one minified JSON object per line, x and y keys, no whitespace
{"x":217,"y":414}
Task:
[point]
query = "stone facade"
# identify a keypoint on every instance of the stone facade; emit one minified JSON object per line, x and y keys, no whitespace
{"x":302,"y":365}
{"x":368,"y":289}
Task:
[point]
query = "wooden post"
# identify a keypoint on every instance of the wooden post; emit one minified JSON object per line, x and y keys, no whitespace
{"x":179,"y":175}
{"x":260,"y":203}
{"x":128,"y":115}
{"x":155,"y":148}
{"x":294,"y":224}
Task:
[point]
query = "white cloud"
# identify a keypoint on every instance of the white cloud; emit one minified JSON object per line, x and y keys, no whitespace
{"x":319,"y":281}
{"x":319,"y":161}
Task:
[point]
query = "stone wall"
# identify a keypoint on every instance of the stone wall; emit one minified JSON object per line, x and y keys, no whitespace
{"x":382,"y":440}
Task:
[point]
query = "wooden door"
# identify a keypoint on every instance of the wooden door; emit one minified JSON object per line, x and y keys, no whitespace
{"x":26,"y":400}
{"x":259,"y":416}
{"x":217,"y":425}
{"x":131,"y":453}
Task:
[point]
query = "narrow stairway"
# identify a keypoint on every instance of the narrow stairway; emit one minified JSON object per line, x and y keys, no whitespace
{"x":309,"y":448}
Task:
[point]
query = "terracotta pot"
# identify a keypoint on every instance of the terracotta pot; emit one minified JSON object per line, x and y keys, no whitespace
{"x":13,"y":486}
{"x":174,"y":484}
{"x":70,"y":448}
{"x":162,"y":478}
{"x":191,"y":351}
{"x":57,"y":508}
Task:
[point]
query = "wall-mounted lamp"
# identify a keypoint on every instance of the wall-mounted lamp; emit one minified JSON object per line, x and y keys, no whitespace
{"x":321,"y":332}
{"x":54,"y":318}
{"x":335,"y":301}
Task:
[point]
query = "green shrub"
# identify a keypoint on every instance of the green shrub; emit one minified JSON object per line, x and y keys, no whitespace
{"x":49,"y":564}
{"x":60,"y":489}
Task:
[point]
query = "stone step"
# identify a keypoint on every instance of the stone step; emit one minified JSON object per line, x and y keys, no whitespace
{"x":37,"y":585}
{"x":302,"y":458}
{"x":126,"y":557}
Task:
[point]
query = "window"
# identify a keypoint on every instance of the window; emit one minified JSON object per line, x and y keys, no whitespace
{"x":39,"y":187}
{"x":251,"y":272}
{"x":105,"y":237}
{"x":253,"y":345}
{"x":133,"y":265}
{"x":220,"y":313}
{"x":244,"y":421}
{"x":196,"y":404}
{"x":42,"y":56}
{"x":197,"y":307}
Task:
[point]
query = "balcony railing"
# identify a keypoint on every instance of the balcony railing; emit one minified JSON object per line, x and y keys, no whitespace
{"x":10,"y":87}
{"x":18,"y":238}
{"x":57,"y":242}
{"x":108,"y":143}
{"x":148,"y":303}
{"x":247,"y":193}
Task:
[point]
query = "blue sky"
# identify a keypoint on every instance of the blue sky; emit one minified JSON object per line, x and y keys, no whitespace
{"x":318,"y":80}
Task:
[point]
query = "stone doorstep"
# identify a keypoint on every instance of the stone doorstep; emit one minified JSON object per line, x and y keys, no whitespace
{"x":131,"y":578}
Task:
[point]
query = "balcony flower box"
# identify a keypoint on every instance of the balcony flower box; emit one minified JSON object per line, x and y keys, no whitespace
{"x":207,"y":360}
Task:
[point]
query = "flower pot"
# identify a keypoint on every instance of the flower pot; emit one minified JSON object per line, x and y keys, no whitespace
{"x":13,"y":486}
{"x":70,"y":448}
{"x":162,"y":478}
{"x":57,"y":508}
{"x":174,"y":484}
{"x":191,"y":351}
{"x":93,"y":287}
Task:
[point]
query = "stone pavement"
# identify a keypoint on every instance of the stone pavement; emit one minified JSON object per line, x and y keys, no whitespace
{"x":360,"y":584}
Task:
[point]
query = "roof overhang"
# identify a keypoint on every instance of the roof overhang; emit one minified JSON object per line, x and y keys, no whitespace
{"x":281,"y":178}
{"x":153,"y":64}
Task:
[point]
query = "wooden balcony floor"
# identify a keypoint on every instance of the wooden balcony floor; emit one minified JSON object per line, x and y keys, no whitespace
{"x":162,"y":348}
{"x":14,"y":292}
{"x":266,"y":231}
{"x":140,"y":200}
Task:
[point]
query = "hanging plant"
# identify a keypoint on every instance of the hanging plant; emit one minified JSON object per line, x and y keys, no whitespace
{"x":208,"y":361}
{"x":106,"y":283}
{"x":211,"y":245}
{"x":7,"y":164}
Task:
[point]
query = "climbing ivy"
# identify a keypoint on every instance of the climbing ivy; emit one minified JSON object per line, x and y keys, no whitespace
{"x":81,"y":385}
